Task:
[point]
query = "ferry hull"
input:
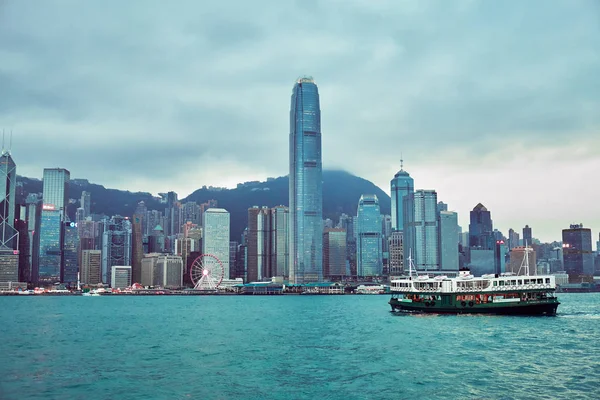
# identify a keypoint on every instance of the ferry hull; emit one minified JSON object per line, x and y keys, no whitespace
{"x":521,"y":308}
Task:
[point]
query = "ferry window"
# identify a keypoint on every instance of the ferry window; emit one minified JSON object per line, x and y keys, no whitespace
{"x":513,"y":282}
{"x":501,"y":283}
{"x":540,"y":281}
{"x":495,"y":283}
{"x":527,"y":281}
{"x":520,"y":281}
{"x":547,"y":280}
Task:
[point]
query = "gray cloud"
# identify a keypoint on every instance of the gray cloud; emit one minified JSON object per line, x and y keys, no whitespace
{"x":148,"y":95}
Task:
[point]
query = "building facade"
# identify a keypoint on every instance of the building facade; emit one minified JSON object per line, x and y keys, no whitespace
{"x":91,"y":267}
{"x":334,"y":253}
{"x":120,"y":276}
{"x":448,"y":228}
{"x":578,"y":257}
{"x":215,"y":236}
{"x":369,"y":250}
{"x":421,"y":230}
{"x":305,"y":184}
{"x":401,"y":186}
{"x":481,"y":231}
{"x":116,"y":245}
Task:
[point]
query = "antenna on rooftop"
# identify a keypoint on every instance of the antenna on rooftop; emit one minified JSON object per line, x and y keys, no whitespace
{"x":10,"y":145}
{"x":401,"y":162}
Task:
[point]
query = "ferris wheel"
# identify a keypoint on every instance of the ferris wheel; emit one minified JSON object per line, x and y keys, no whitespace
{"x":207,"y":272}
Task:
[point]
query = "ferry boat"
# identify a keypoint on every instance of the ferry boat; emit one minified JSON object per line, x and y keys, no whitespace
{"x":505,"y":293}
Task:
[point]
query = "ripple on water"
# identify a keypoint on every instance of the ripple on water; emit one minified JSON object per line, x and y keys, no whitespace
{"x":329,"y":347}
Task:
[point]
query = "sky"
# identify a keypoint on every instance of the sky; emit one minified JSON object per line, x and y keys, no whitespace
{"x":495,"y":102}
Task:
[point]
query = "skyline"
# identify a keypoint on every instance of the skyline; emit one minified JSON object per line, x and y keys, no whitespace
{"x":125,"y":89}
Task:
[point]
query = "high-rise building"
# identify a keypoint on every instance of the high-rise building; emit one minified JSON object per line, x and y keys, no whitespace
{"x":334,"y":253}
{"x":513,"y":239}
{"x":305,"y":184}
{"x":55,"y":199}
{"x":86,"y":203}
{"x":259,"y":236}
{"x":421,"y":237}
{"x":70,"y":254}
{"x":137,"y":248}
{"x":527,"y":237}
{"x":116,"y":245}
{"x":481,"y":231}
{"x":170,"y":271}
{"x":280,"y":219}
{"x":34,"y":215}
{"x":448,"y":228}
{"x":56,"y":188}
{"x":215,"y":236}
{"x":91,"y":267}
{"x":401,"y":186}
{"x":369,"y":254}
{"x":396,"y":249}
{"x":578,"y":257}
{"x":120,"y":276}
{"x":8,"y":177}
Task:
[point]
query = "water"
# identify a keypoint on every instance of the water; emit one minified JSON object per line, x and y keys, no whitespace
{"x":292,"y":347}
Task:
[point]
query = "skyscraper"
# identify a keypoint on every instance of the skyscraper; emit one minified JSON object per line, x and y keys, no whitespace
{"x":401,"y":185}
{"x":334,"y":253}
{"x":55,"y":199}
{"x":85,"y":203}
{"x":369,"y":251}
{"x":8,"y":178}
{"x":578,"y":258}
{"x":116,"y":245}
{"x":137,"y":248}
{"x":258,"y":243}
{"x":480,"y":228}
{"x":527,"y":236}
{"x":448,"y":228}
{"x":70,"y":255}
{"x":215,"y":236}
{"x":305,"y":180}
{"x":421,"y":230}
{"x":280,"y":217}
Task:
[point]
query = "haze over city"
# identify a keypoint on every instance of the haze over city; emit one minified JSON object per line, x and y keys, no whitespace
{"x":491,"y":102}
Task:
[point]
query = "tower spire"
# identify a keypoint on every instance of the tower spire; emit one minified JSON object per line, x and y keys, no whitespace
{"x":401,"y":162}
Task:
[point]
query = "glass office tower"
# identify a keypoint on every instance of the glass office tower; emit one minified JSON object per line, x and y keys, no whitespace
{"x":306,"y":194}
{"x":368,"y":243}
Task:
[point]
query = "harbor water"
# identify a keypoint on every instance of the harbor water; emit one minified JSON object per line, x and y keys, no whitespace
{"x":290,"y":347}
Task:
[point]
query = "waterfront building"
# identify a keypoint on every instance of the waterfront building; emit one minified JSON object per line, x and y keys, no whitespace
{"x":70,"y":254}
{"x":137,"y":248}
{"x":156,"y":241}
{"x":280,"y":219}
{"x":91,"y":267}
{"x":215,"y":237}
{"x":401,"y":185}
{"x":369,"y":254}
{"x":421,"y":237}
{"x":9,"y":236}
{"x":116,"y":245}
{"x":305,"y":184}
{"x":334,"y":253}
{"x":55,"y":199}
{"x":396,"y":250}
{"x":23,"y":248}
{"x":170,"y":271}
{"x":480,"y":228}
{"x":33,"y":205}
{"x":258,"y":243}
{"x":120,"y":276}
{"x":527,"y":236}
{"x":578,"y":257}
{"x":449,"y":233}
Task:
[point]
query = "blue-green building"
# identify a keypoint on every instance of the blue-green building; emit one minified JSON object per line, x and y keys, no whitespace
{"x":305,"y":184}
{"x":369,"y":251}
{"x":401,"y":186}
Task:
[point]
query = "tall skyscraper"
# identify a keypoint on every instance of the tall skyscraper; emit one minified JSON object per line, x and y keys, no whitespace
{"x":396,"y":249}
{"x":481,"y":231}
{"x":215,"y":236}
{"x":578,"y":257}
{"x":137,"y":248}
{"x":513,"y":239}
{"x":334,"y":253}
{"x":8,"y":178}
{"x":91,"y":267}
{"x":259,"y":229}
{"x":70,"y":254}
{"x":527,"y":236}
{"x":55,"y":198}
{"x":448,"y":228}
{"x":280,"y":219}
{"x":369,"y":251}
{"x":401,"y":186}
{"x":421,"y":230}
{"x":116,"y":245}
{"x":305,"y":180}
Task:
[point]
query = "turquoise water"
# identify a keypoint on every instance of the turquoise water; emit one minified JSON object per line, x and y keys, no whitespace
{"x":290,"y":347}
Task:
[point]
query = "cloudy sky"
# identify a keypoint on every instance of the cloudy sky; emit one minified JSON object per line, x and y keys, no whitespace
{"x":488,"y":101}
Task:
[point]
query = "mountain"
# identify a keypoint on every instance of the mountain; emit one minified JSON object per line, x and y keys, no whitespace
{"x":341,"y":192}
